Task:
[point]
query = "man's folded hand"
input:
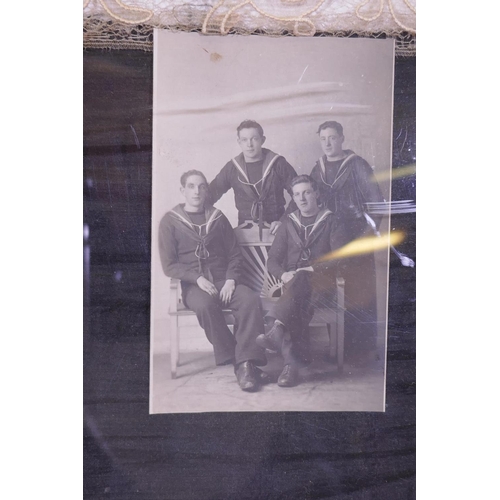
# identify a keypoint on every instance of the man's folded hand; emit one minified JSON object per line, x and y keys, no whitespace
{"x":227,"y":291}
{"x":207,"y":286}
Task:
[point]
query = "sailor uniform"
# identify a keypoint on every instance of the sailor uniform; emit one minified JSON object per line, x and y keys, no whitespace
{"x":191,"y":247}
{"x":346,"y":186}
{"x":258,"y":199}
{"x":301,"y":243}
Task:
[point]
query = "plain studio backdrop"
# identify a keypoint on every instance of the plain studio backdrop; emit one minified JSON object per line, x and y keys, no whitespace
{"x":205,"y":86}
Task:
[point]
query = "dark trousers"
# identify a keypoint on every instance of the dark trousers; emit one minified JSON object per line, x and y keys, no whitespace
{"x":247,"y":310}
{"x":295,"y":310}
{"x":360,"y":302}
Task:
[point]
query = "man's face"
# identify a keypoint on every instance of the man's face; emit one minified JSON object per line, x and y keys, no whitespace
{"x":195,"y":191}
{"x":251,"y":143}
{"x":331,"y":142}
{"x":306,"y":198}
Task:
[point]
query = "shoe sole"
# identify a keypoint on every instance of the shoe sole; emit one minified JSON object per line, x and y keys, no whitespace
{"x":288,"y":385}
{"x":250,"y":389}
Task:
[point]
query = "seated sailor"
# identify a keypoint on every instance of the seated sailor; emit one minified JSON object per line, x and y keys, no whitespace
{"x":299,"y":257}
{"x":198,"y":246}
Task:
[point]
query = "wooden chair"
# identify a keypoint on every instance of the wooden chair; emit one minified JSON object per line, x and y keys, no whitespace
{"x":257,"y":277}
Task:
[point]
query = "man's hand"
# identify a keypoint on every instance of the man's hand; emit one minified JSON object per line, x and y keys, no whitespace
{"x":207,"y":286}
{"x":286,"y":277}
{"x":227,"y":291}
{"x":274,"y":226}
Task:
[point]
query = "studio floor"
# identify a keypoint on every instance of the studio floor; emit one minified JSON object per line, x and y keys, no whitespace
{"x":201,"y":386}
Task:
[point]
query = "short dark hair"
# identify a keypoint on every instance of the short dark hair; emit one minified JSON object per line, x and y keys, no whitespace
{"x":331,"y":124}
{"x":250,"y":124}
{"x":302,"y":179}
{"x":189,"y":173}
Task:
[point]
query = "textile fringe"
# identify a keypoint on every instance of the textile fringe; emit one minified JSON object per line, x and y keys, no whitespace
{"x":99,"y":33}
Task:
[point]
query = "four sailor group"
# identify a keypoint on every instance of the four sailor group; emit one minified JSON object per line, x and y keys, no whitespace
{"x":327,"y":210}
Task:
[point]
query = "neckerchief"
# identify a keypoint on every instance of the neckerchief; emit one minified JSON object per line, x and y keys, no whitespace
{"x":195,"y":231}
{"x":312,"y":235}
{"x":257,"y":210}
{"x":342,"y":174}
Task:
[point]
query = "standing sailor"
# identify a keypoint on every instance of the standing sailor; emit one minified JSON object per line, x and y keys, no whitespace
{"x":259,"y":177}
{"x":347,"y":183}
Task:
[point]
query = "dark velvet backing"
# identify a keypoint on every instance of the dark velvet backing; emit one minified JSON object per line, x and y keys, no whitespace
{"x":129,"y":454}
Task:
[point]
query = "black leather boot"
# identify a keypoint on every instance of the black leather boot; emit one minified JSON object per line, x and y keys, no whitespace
{"x":273,"y":339}
{"x":289,"y":376}
{"x":247,"y":376}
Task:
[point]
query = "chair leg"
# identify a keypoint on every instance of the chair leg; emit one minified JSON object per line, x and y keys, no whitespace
{"x":174,"y":346}
{"x":340,"y":344}
{"x":332,"y":340}
{"x":340,"y":324}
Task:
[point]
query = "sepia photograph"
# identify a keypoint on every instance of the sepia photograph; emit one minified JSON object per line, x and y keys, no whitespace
{"x":271,"y":232}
